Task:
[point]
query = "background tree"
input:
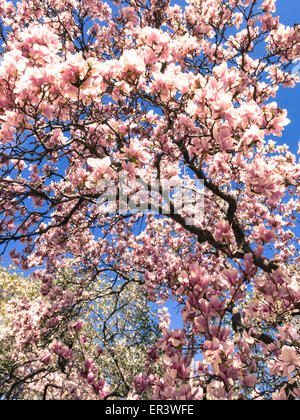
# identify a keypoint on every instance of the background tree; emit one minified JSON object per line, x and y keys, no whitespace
{"x":73,"y":335}
{"x":13,"y":288}
{"x":90,"y":90}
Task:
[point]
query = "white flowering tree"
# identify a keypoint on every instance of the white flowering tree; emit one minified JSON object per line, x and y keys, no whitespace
{"x":107,"y":328}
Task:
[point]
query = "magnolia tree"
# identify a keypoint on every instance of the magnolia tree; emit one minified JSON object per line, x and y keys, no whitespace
{"x":95,"y":93}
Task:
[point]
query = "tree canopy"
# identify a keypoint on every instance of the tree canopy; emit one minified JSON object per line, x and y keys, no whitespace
{"x":147,"y":92}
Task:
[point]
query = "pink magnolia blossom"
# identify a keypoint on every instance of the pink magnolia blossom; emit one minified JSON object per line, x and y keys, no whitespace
{"x":99,"y":166}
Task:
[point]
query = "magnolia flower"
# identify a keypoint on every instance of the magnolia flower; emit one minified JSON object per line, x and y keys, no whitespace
{"x":250,"y":380}
{"x":133,"y":61}
{"x":294,"y":288}
{"x":137,"y":150}
{"x":78,"y":325}
{"x":217,"y":390}
{"x":46,"y":358}
{"x":290,"y":356}
{"x":100,"y":166}
{"x":279,"y":396}
{"x":222,"y":229}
